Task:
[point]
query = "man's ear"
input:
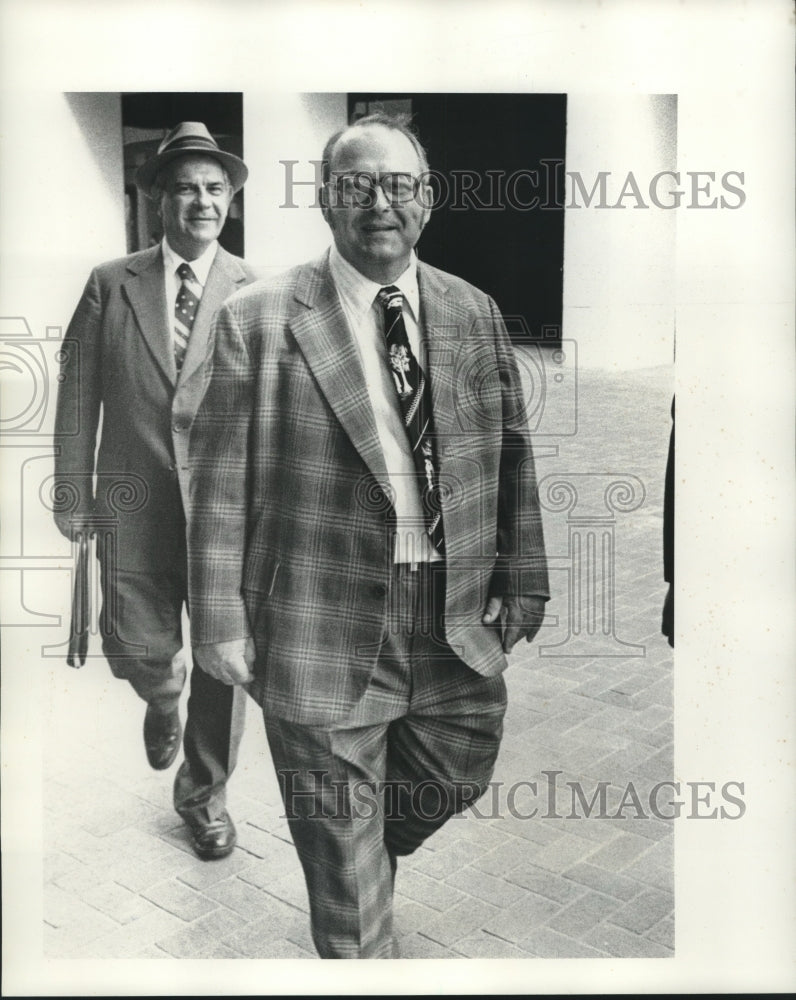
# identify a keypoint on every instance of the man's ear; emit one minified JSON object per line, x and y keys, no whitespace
{"x":426,"y":195}
{"x":323,"y":201}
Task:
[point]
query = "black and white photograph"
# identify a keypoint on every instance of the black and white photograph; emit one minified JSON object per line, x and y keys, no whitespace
{"x":341,"y":351}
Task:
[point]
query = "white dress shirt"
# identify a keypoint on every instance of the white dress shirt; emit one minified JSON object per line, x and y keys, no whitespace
{"x":365,"y":320}
{"x":171,"y":261}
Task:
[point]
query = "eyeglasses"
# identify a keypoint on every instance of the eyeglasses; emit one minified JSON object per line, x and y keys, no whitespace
{"x":359,"y":189}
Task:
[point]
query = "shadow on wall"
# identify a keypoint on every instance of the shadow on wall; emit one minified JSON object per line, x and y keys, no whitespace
{"x":99,"y":118}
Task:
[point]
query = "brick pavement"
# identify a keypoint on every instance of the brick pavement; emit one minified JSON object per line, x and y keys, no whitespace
{"x":121,"y":881}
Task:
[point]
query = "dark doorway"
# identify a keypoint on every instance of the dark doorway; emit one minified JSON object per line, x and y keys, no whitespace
{"x":146,"y":118}
{"x":499,"y":220}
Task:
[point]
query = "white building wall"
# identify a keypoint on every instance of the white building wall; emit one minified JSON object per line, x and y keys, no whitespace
{"x":619,"y":263}
{"x":62,"y":205}
{"x":291,"y":127}
{"x":62,"y":213}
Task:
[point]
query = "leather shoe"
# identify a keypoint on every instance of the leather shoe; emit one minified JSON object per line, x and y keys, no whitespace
{"x":162,"y":737}
{"x":215,"y":839}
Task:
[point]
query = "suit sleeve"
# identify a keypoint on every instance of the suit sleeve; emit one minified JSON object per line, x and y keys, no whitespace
{"x":521,"y":568}
{"x":78,"y":405}
{"x":218,"y":457}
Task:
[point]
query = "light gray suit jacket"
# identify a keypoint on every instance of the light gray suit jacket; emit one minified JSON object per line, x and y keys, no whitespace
{"x":120,"y":364}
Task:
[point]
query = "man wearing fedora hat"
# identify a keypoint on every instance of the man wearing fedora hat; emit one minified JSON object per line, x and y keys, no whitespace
{"x":136,"y":352}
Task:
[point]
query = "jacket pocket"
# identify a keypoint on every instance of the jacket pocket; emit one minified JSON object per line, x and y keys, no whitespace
{"x":260,"y":576}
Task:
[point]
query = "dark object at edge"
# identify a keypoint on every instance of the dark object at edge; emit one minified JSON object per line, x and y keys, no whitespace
{"x":667,"y":621}
{"x":81,"y":611}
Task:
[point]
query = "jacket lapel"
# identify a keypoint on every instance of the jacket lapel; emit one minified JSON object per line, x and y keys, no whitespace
{"x":321,"y":331}
{"x":225,"y":277}
{"x":444,"y":335}
{"x":146,"y":293}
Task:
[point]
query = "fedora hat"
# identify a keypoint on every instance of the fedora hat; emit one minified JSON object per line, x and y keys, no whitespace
{"x":190,"y":138}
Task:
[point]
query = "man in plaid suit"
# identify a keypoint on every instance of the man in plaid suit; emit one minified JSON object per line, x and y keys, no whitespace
{"x":374,"y":639}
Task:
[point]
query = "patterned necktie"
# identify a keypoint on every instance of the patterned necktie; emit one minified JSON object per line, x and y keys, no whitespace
{"x":185,"y":311}
{"x":414,"y":396}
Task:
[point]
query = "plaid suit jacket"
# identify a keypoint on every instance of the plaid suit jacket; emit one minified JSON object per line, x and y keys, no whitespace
{"x":290,"y":535}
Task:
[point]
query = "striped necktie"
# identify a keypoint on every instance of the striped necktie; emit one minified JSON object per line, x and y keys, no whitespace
{"x":185,"y":311}
{"x":414,"y":397}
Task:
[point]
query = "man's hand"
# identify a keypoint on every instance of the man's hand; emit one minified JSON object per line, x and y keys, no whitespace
{"x":229,"y":662}
{"x":521,"y":616}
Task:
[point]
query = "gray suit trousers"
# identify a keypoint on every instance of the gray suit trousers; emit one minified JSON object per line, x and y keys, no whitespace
{"x":144,"y":645}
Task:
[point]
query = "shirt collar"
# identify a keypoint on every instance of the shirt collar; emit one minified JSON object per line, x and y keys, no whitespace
{"x":200,"y":267}
{"x":360,"y":292}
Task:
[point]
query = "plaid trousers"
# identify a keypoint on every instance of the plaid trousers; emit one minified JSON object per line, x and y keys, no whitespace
{"x":418,"y":747}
